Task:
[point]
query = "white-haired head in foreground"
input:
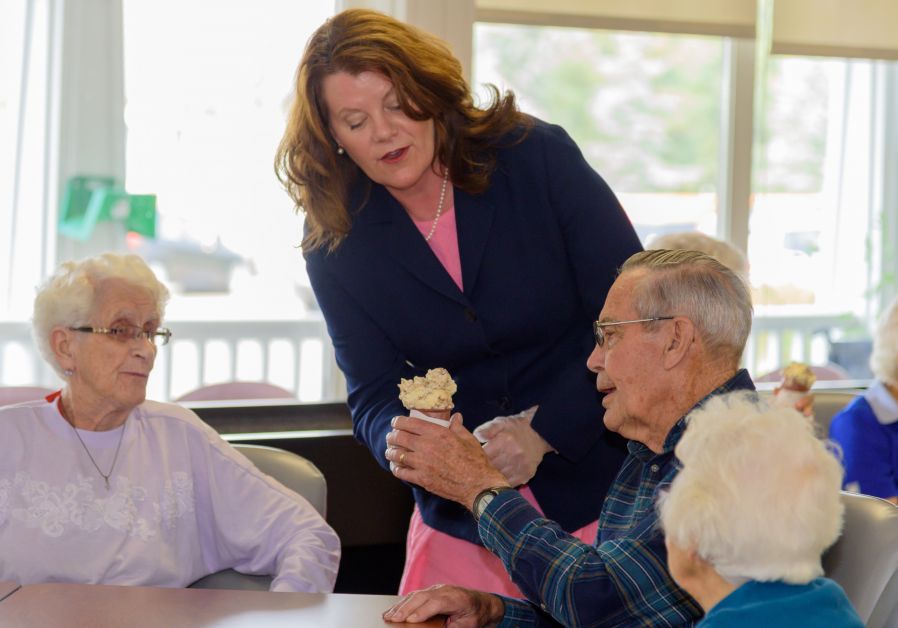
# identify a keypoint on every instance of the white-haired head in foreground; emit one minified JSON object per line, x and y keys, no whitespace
{"x":758,"y":495}
{"x":67,"y":298}
{"x":884,"y":359}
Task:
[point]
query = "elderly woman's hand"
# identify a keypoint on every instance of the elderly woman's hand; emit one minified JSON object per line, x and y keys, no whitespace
{"x":448,"y":462}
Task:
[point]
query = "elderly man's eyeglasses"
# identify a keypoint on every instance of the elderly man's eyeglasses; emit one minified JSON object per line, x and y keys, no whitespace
{"x":127,"y":333}
{"x":599,"y":331}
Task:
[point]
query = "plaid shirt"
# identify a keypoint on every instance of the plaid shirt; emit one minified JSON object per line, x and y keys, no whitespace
{"x":622,"y":580}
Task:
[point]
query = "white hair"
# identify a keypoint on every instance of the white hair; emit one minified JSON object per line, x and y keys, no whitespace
{"x":66,"y":299}
{"x":758,"y":496}
{"x":884,"y":359}
{"x":721,"y":250}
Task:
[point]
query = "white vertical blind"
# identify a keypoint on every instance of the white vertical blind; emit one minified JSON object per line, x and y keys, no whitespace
{"x":28,"y":114}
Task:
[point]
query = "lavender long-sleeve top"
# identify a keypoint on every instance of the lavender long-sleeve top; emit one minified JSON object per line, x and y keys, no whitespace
{"x":181,"y":504}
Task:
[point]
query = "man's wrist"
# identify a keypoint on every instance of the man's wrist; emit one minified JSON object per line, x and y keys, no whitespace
{"x":497,"y":610}
{"x":488,"y":608}
{"x":484,"y":497}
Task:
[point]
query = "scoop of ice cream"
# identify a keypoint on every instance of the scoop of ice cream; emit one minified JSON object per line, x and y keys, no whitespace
{"x":431,"y":392}
{"x":798,"y":376}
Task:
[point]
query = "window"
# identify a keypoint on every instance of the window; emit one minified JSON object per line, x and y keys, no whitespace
{"x":814,"y":162}
{"x":814,"y":215}
{"x":644,"y":109}
{"x":207,"y":86}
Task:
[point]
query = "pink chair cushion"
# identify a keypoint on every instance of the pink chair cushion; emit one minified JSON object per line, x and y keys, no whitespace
{"x":825,"y":373}
{"x":237,"y":390}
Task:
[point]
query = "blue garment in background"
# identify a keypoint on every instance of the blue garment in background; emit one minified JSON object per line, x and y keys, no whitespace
{"x":867,"y":432}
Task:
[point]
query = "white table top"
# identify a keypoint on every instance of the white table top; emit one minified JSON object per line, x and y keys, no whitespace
{"x":103,"y":606}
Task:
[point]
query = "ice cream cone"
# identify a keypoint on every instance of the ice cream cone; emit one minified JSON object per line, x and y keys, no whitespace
{"x":429,"y":397}
{"x":797,"y":381}
{"x":438,"y":416}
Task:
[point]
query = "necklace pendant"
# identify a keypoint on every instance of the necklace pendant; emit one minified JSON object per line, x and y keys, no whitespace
{"x":107,"y":482}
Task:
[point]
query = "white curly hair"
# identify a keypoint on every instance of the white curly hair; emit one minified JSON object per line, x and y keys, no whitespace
{"x":758,"y":496}
{"x":66,"y":299}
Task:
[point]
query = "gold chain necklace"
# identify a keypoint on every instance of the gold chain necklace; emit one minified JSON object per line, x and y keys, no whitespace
{"x":433,"y":227}
{"x":105,"y":476}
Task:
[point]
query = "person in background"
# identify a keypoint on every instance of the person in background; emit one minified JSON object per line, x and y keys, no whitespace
{"x":867,"y":429}
{"x":721,"y":250}
{"x":749,"y":515}
{"x":730,"y":256}
{"x":100,"y":486}
{"x":671,"y":335}
{"x":479,"y":240}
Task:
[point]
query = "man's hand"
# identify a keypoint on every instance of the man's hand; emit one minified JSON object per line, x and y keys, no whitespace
{"x":513,"y":446}
{"x":448,"y":462}
{"x":464,"y":607}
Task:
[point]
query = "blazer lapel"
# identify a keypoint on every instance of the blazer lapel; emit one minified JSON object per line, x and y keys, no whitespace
{"x":474,"y":217}
{"x":403,"y":242}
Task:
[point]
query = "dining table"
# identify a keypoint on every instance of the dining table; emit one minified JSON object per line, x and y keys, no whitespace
{"x":63,"y":605}
{"x":7,"y":589}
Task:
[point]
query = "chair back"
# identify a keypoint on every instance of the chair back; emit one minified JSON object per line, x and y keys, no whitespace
{"x":294,"y":472}
{"x":291,"y":470}
{"x":17,"y":394}
{"x":864,"y":561}
{"x":828,"y":403}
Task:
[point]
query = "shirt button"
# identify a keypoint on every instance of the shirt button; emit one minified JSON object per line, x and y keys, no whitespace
{"x":471,"y":315}
{"x":505,"y":403}
{"x":655,"y":468}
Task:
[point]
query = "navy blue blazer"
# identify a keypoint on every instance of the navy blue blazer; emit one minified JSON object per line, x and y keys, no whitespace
{"x":539,"y":251}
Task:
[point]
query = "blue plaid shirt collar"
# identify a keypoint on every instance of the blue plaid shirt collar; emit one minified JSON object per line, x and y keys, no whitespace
{"x":740,"y":381}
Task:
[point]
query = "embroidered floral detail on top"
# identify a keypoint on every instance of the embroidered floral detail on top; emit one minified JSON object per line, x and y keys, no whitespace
{"x":78,"y":505}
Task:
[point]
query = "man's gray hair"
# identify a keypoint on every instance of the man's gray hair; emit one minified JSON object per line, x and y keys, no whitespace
{"x":697,"y":286}
{"x":66,"y":299}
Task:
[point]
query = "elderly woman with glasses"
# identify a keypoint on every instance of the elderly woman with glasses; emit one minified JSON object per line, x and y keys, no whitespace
{"x":749,"y":515}
{"x":99,"y":485}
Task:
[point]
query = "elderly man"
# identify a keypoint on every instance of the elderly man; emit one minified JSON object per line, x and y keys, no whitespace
{"x":670,"y":335}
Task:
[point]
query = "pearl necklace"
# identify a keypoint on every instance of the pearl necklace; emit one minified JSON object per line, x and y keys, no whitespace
{"x":433,"y":227}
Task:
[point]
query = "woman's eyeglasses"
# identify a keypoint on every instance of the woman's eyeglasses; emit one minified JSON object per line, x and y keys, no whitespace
{"x":126,"y":333}
{"x":599,"y":331}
